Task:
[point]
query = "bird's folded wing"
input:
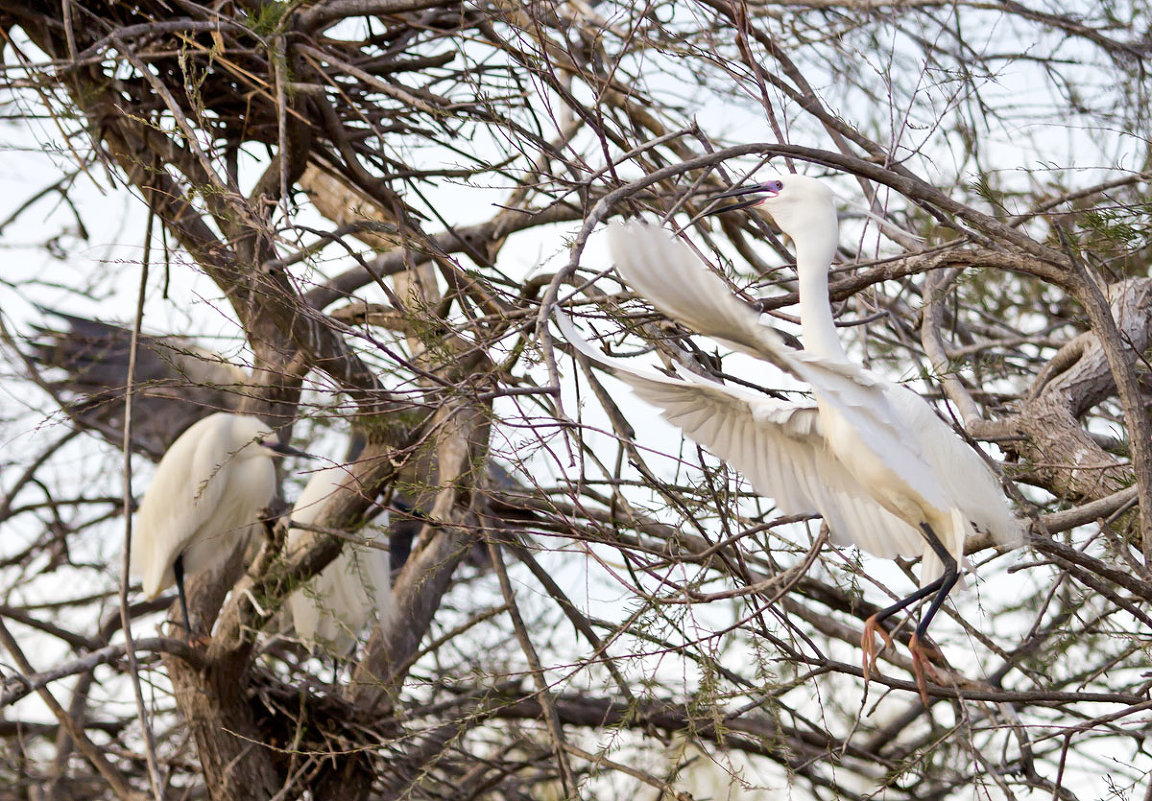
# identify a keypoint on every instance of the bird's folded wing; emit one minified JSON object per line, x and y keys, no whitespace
{"x":967,"y":479}
{"x":340,"y":600}
{"x":175,"y":508}
{"x":778,"y":447}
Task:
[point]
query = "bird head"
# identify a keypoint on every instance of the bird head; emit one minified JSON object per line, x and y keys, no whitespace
{"x":799,"y":205}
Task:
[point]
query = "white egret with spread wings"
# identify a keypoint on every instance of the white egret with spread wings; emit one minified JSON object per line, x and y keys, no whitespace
{"x":870,"y":456}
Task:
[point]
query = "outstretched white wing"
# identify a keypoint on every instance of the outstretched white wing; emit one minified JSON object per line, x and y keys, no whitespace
{"x":670,"y":275}
{"x":779,"y":448}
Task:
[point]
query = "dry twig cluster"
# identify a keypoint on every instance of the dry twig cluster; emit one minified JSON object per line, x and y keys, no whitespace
{"x":590,"y":610}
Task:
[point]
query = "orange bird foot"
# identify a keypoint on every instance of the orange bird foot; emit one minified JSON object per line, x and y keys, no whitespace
{"x":196,"y":639}
{"x":923,"y":654}
{"x":868,"y":643}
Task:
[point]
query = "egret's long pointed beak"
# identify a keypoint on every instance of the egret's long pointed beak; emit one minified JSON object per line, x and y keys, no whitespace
{"x":762,"y":192}
{"x":743,"y":204}
{"x":281,"y":449}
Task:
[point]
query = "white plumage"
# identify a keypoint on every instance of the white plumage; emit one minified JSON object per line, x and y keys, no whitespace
{"x":204,"y":501}
{"x":335,"y":605}
{"x":871,"y":457}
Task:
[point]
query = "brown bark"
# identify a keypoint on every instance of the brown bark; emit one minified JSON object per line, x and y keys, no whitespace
{"x":1062,"y":456}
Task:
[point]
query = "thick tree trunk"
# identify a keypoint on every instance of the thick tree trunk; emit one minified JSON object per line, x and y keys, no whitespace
{"x":236,"y":764}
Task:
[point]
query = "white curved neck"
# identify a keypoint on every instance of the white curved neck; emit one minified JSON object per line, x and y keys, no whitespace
{"x":815,"y":246}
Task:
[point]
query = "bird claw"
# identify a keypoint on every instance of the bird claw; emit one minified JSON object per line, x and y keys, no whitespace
{"x":868,"y":643}
{"x":194,"y":638}
{"x":922,"y":654}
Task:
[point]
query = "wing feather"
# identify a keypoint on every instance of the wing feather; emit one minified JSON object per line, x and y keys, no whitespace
{"x":174,"y":509}
{"x":778,"y":447}
{"x":338,"y":602}
{"x":676,"y":281}
{"x":968,"y":480}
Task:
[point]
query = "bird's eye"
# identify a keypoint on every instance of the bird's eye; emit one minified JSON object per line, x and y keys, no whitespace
{"x":776,"y":185}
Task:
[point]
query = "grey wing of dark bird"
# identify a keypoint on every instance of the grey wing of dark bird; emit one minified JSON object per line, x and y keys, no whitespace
{"x":84,"y":365}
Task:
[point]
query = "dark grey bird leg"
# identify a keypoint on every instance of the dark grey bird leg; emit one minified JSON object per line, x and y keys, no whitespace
{"x":947,"y":581}
{"x":941,"y":587}
{"x":178,"y":571}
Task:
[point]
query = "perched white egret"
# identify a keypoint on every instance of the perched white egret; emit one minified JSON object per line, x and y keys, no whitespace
{"x":204,"y":501}
{"x":871,"y":457}
{"x":335,"y":605}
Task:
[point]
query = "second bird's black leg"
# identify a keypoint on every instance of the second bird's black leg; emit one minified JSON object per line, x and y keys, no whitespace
{"x":941,"y":587}
{"x":178,"y":571}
